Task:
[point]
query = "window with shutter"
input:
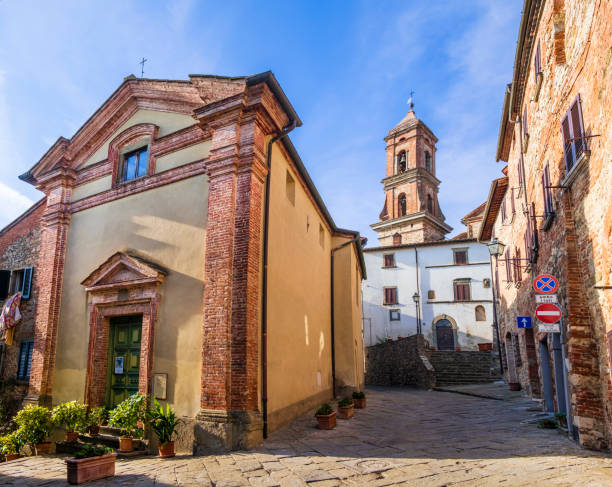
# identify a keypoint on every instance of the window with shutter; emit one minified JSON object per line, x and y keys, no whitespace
{"x":572,"y":132}
{"x":512,"y":207}
{"x":390,"y":296}
{"x":503,"y":210}
{"x":5,"y":279}
{"x":25,"y":359}
{"x":537,"y":61}
{"x":548,"y":202}
{"x":462,"y":290}
{"x":520,"y":175}
{"x":508,"y":265}
{"x":518,"y":272}
{"x":397,"y":239}
{"x":26,"y":286}
{"x":460,"y":256}
{"x":524,"y":121}
{"x":389,"y":260}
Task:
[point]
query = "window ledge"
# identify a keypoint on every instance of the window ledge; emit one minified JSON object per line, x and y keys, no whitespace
{"x":548,"y":221}
{"x":389,"y":267}
{"x":577,"y":169}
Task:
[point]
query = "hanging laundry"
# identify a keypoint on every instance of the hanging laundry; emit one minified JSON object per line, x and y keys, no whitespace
{"x":9,"y":317}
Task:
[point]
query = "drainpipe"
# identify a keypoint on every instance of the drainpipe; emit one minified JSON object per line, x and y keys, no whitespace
{"x":264,"y":279}
{"x":495,"y":322}
{"x":332,"y":321}
{"x":416,"y":260}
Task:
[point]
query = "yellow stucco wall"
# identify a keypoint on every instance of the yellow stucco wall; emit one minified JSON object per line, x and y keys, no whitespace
{"x":299,"y":302}
{"x":166,"y":121}
{"x":189,"y":154}
{"x":167,"y":226}
{"x":93,"y":187}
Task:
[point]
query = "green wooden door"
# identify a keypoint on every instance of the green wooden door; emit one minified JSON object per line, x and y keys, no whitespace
{"x":124,"y":358}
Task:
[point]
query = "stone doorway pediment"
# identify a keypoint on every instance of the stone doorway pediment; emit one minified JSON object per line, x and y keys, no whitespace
{"x":123,"y":270}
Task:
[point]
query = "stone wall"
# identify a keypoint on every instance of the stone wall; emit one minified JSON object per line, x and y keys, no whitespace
{"x":19,"y":248}
{"x":401,"y":362}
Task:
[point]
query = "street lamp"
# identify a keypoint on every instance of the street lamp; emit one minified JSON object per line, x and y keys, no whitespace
{"x":496,"y":248}
{"x":416,"y":298}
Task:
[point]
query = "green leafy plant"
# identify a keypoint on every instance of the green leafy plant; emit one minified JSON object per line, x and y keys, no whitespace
{"x":10,"y":402}
{"x":548,"y":423}
{"x":34,"y":424}
{"x":72,"y":415}
{"x":347,"y":401}
{"x":163,"y":422}
{"x":358,"y":395}
{"x":88,"y":451}
{"x":97,"y":416}
{"x":127,"y":415}
{"x":13,"y":443}
{"x":324,"y":410}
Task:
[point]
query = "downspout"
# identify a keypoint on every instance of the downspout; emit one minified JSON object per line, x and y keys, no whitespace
{"x":416,"y":260}
{"x":264,"y":279}
{"x":332,"y":321}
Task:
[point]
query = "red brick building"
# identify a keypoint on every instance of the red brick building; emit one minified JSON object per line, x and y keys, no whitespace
{"x":185,"y":254}
{"x":551,"y":209}
{"x":19,"y":249}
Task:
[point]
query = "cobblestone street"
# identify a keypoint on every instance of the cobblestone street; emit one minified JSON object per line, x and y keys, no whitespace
{"x":404,"y":437}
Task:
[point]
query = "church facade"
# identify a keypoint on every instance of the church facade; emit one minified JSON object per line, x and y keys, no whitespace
{"x":419,"y":281}
{"x":186,"y":255}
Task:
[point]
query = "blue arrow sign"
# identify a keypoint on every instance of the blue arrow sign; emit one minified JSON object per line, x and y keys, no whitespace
{"x":523,"y":322}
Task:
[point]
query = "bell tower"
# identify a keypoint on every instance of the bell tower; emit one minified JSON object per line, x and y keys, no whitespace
{"x":411,"y":213}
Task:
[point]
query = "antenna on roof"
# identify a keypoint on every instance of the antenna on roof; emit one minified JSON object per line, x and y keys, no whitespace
{"x":142,"y":66}
{"x":411,"y":100}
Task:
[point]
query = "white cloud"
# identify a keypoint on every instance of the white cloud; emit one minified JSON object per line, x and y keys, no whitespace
{"x":12,"y":204}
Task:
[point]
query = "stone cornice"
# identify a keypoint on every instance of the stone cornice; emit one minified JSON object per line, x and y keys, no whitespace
{"x":414,"y":217}
{"x":410,"y":176}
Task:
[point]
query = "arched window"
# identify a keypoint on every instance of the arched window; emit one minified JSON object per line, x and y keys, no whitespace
{"x":428,"y":162}
{"x":429,"y":203}
{"x":397,"y":239}
{"x":481,"y":315}
{"x":401,"y":162}
{"x":401,"y":204}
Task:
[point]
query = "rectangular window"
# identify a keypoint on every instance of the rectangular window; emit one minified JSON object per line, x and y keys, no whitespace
{"x":394,"y":315}
{"x":290,"y":188}
{"x":462,"y":290}
{"x":572,"y":131}
{"x":21,"y":281}
{"x":512,"y":207}
{"x":548,"y":201}
{"x":460,"y":256}
{"x":390,"y":295}
{"x":135,"y":164}
{"x":503,"y":210}
{"x":524,"y":122}
{"x":431,"y":294}
{"x":5,"y":280}
{"x":25,"y":359}
{"x":389,"y":260}
{"x":537,"y":60}
{"x":518,"y":271}
{"x":507,"y":263}
{"x":520,"y":176}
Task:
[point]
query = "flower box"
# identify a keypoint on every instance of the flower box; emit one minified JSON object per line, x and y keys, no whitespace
{"x":93,"y":468}
{"x":346,"y":412}
{"x":327,"y":421}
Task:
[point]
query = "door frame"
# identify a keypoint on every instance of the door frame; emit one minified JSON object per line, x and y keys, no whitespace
{"x":435,"y":334}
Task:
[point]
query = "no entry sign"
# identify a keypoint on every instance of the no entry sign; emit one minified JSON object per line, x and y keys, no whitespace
{"x":548,"y":313}
{"x":545,"y":284}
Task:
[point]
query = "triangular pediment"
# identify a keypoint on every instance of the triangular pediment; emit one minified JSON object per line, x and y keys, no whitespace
{"x":123,"y":270}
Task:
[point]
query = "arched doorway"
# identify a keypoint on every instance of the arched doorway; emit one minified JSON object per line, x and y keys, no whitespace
{"x":445,"y":335}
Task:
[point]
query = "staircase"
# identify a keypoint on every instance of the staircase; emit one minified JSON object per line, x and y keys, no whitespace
{"x":110,"y":437}
{"x":457,"y":368}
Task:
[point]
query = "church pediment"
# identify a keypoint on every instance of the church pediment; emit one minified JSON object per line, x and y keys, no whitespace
{"x":123,"y":270}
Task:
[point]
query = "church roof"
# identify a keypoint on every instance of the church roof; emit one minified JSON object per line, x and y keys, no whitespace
{"x":475,"y":212}
{"x":409,"y":122}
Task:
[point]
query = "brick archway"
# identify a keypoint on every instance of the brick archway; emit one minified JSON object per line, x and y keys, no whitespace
{"x":123,"y":285}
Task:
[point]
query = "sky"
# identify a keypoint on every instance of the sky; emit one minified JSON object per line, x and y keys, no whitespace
{"x":347,"y":67}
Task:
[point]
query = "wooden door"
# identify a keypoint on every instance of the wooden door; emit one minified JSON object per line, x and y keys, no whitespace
{"x":445,"y":337}
{"x":124,"y":358}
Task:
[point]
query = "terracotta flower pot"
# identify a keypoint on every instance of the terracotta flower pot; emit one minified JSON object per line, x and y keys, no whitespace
{"x":327,"y":421}
{"x":359,"y":403}
{"x":11,"y":456}
{"x":86,"y":469}
{"x":345,"y":412}
{"x":167,"y":450}
{"x":485,"y":346}
{"x":43,"y":448}
{"x":94,"y":430}
{"x":514,"y":386}
{"x":71,"y":436}
{"x":125,"y":444}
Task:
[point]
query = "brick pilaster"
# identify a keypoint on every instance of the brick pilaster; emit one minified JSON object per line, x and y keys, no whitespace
{"x":56,"y":217}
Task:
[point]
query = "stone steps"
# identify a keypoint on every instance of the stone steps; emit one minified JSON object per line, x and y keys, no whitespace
{"x":462,"y":367}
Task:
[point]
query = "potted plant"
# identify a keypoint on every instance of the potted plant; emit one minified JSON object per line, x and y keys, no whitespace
{"x":35,"y":425}
{"x":129,"y":416}
{"x":11,"y":445}
{"x":95,"y":418}
{"x":326,"y":417}
{"x":562,"y":419}
{"x":164,"y":423}
{"x":73,"y":416}
{"x":359,"y":400}
{"x":345,"y":408}
{"x":91,"y":463}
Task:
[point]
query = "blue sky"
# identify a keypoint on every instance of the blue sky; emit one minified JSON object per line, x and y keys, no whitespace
{"x":347,"y":67}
